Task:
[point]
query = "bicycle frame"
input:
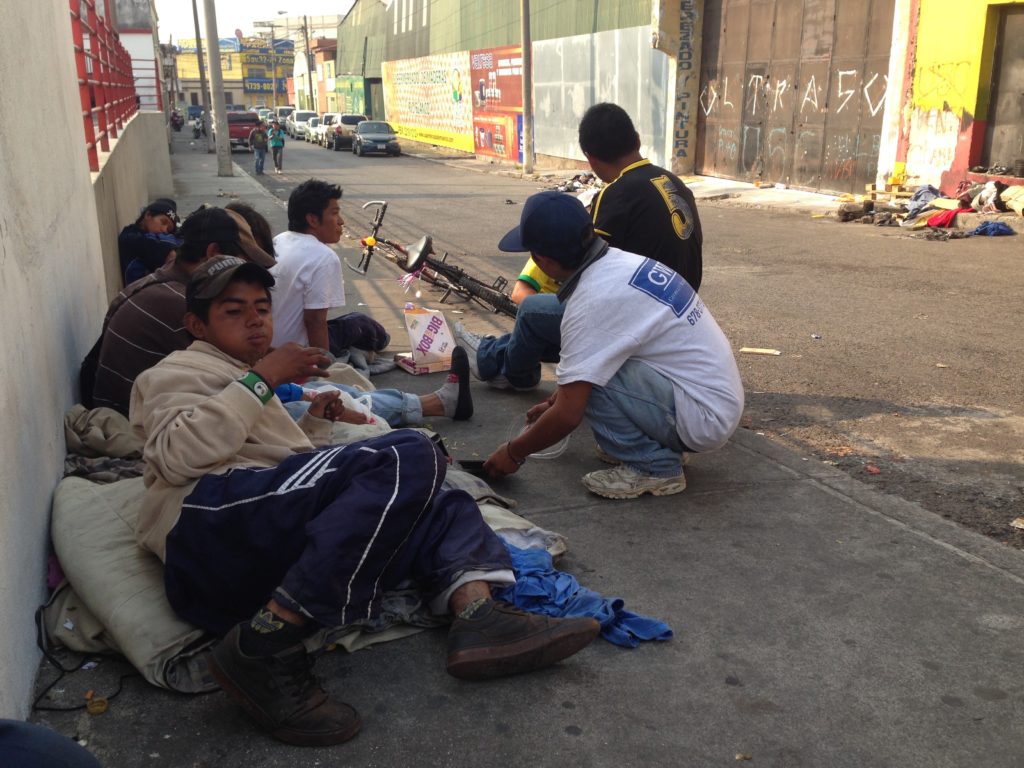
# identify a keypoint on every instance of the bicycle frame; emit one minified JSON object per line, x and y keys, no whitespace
{"x":451,"y":278}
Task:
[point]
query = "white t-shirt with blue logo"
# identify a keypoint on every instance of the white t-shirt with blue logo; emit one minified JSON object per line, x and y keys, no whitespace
{"x":627,"y":307}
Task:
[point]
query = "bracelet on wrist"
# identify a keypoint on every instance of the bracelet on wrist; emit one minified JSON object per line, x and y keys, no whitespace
{"x":508,"y":450}
{"x":259,"y":386}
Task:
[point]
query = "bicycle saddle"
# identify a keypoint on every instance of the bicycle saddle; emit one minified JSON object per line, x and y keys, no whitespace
{"x":418,"y":251}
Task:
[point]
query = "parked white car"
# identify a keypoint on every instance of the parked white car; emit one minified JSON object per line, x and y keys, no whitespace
{"x":327,"y":120}
{"x":309,"y":132}
{"x":295,"y":123}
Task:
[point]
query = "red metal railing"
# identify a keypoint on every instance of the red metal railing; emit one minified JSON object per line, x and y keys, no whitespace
{"x":146,"y":73}
{"x":105,"y":82}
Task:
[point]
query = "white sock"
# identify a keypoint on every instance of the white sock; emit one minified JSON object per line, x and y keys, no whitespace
{"x":449,"y":395}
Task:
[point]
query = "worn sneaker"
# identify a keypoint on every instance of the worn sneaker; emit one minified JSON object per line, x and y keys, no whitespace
{"x":281,"y":694}
{"x":621,"y":482}
{"x":499,"y":640}
{"x":471,"y":343}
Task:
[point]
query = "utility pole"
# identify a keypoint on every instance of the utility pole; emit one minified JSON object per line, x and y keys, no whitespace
{"x":528,"y":157}
{"x":309,"y":72}
{"x":204,"y":120}
{"x":217,"y":86}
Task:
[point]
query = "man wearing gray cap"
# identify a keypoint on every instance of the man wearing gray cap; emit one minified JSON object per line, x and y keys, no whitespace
{"x":144,"y":322}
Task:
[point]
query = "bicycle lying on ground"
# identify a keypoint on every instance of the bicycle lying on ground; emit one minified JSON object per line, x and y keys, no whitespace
{"x":419,"y":260}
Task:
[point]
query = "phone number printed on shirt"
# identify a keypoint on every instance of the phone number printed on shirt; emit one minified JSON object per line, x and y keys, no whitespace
{"x":665,"y":286}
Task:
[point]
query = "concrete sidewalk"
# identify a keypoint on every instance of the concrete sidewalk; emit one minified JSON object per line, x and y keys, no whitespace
{"x":817,"y":622}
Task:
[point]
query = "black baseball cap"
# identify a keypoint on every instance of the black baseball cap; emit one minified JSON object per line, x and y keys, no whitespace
{"x":162,"y":206}
{"x":214,"y":275}
{"x":217,"y":225}
{"x":553,"y":224}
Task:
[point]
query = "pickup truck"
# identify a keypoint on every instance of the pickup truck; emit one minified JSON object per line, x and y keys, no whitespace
{"x":240,"y":125}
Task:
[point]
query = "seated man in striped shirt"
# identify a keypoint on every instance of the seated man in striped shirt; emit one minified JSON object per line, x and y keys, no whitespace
{"x":268,"y":533}
{"x":144,"y":322}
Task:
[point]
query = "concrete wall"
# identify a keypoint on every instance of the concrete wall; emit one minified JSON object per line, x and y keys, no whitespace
{"x":137,"y":170}
{"x":53,"y":295}
{"x":571,"y":73}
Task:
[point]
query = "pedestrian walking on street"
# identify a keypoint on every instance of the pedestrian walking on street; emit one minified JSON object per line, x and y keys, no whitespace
{"x":277,"y":145}
{"x":259,"y":139}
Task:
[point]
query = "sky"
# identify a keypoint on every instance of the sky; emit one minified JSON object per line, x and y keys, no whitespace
{"x":176,"y":15}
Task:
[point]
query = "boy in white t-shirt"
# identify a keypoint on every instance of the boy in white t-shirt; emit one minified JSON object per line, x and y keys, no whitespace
{"x":642,"y":358}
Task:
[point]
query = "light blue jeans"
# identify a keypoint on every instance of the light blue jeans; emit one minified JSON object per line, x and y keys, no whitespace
{"x":535,"y":339}
{"x":397,"y":408}
{"x":261,"y":158}
{"x":633,"y":418}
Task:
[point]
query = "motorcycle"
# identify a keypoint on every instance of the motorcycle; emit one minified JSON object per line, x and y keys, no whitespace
{"x":176,"y":121}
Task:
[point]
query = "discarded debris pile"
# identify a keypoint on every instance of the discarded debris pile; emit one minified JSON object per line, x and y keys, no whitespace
{"x":927,"y":208}
{"x":578,"y":183}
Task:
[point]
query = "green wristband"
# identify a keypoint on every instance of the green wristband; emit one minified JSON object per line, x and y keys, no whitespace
{"x":258,"y":386}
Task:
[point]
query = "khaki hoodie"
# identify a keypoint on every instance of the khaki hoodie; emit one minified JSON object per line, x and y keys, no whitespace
{"x":196,"y":419}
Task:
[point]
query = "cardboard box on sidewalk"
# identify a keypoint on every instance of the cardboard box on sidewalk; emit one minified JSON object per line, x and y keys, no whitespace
{"x":406,"y":363}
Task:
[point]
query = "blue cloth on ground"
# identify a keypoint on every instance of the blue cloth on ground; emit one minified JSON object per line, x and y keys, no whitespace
{"x":991,"y":228}
{"x":539,"y":588}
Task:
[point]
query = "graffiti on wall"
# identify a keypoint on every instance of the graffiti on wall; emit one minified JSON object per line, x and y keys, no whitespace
{"x":930,"y":159}
{"x":429,"y":99}
{"x":759,"y":95}
{"x":686,"y":80}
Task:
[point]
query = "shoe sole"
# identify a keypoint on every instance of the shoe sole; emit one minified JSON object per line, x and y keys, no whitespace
{"x":518,"y":658}
{"x":460,"y":367}
{"x":665,"y":490}
{"x":287,"y":735}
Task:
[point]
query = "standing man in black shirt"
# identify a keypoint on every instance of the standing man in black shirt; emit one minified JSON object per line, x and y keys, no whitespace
{"x":645,"y":210}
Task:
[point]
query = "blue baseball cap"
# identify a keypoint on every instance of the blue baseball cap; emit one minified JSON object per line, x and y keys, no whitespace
{"x":553,"y":224}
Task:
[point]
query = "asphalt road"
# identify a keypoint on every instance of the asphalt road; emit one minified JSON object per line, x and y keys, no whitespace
{"x":901,"y":361}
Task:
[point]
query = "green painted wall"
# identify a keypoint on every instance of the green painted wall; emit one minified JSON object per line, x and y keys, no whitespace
{"x":367,"y":36}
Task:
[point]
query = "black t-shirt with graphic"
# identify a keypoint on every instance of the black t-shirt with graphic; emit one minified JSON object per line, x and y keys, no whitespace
{"x":650,"y":212}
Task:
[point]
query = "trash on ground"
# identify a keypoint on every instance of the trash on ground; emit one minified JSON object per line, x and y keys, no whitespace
{"x":96,"y":706}
{"x":871,"y":469}
{"x":744,"y":756}
{"x":816,"y":336}
{"x":90,"y":665}
{"x":941,"y":365}
{"x":759,"y":351}
{"x":510,"y":202}
{"x":842,"y":450}
{"x":1018,"y":523}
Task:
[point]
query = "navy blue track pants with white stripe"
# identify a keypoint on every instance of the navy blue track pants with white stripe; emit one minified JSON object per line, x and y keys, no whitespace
{"x":325,"y":533}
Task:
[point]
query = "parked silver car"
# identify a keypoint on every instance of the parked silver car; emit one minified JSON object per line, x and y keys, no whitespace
{"x":295,"y":123}
{"x":309,"y":134}
{"x":325,"y":125}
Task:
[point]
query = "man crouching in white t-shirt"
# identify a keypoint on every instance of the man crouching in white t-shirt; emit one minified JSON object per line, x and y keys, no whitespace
{"x":642,"y":359}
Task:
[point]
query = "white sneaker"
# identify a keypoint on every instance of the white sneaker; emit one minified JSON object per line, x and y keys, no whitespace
{"x":471,"y":343}
{"x":621,"y":482}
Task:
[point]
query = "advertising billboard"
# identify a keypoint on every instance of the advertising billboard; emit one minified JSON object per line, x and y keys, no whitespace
{"x":496,"y":75}
{"x":429,"y":99}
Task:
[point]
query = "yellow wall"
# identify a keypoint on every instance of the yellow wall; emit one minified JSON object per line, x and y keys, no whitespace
{"x":954,"y":55}
{"x":231,"y":66}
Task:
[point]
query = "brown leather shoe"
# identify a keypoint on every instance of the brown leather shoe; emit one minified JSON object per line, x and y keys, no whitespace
{"x":499,"y":640}
{"x":281,"y":694}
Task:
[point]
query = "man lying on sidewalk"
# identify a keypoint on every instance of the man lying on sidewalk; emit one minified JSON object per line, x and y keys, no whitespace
{"x":654,"y":378}
{"x":644,"y":209}
{"x":251,"y":518}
